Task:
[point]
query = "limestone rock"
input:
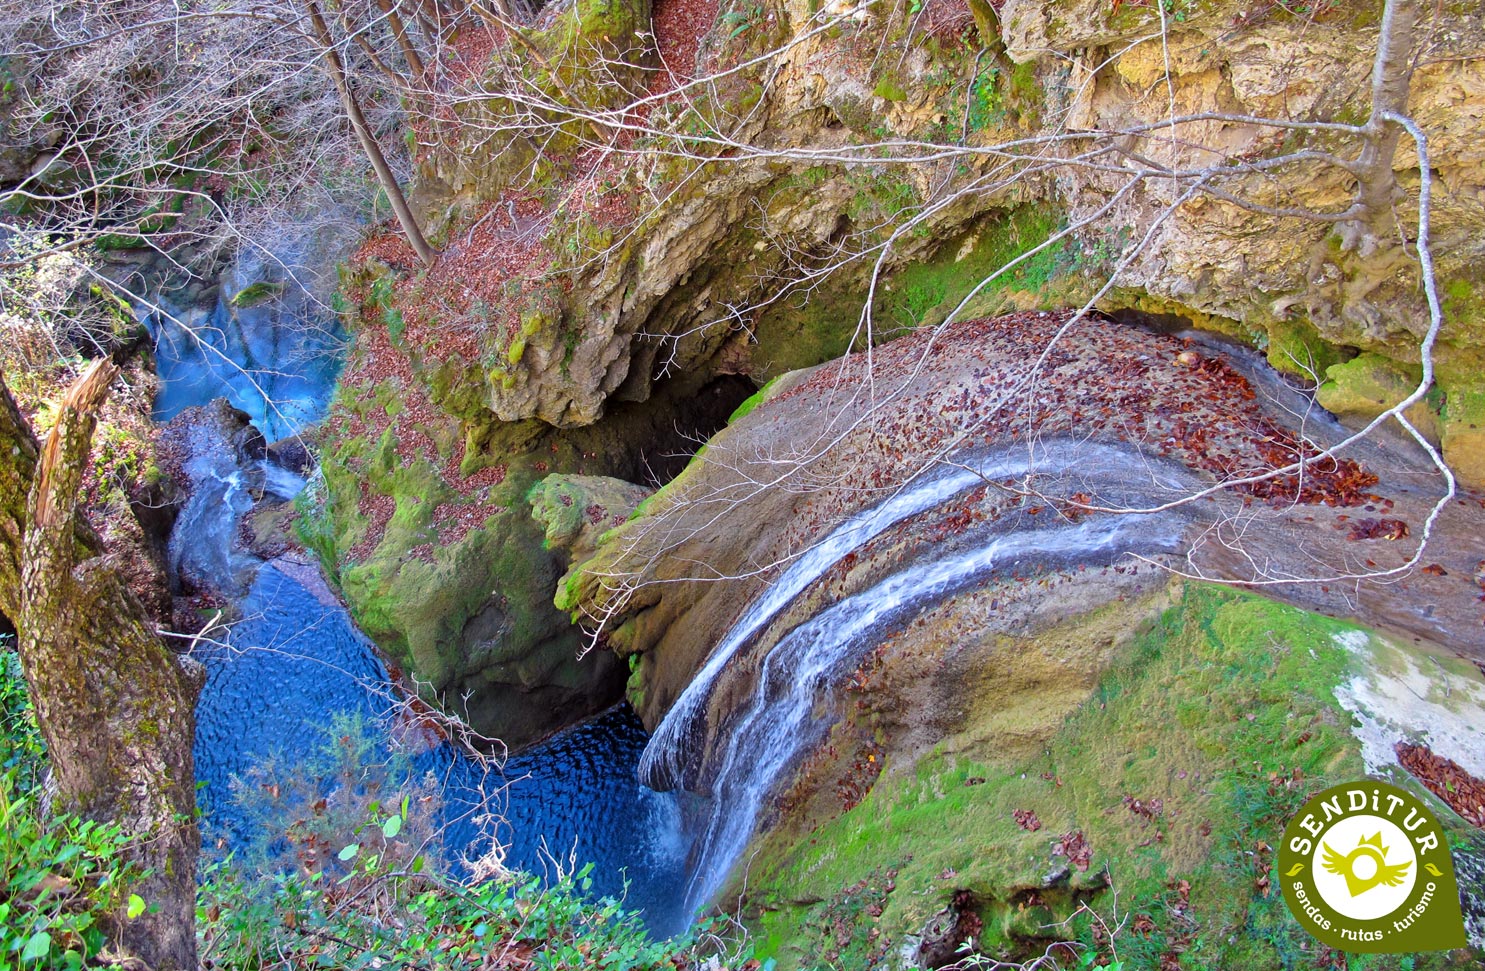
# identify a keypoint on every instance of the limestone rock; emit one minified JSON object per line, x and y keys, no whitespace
{"x":1363,"y":388}
{"x":578,"y":509}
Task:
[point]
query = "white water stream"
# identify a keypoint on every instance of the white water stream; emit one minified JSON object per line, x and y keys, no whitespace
{"x":782,"y":719}
{"x":677,"y":738}
{"x":790,"y":711}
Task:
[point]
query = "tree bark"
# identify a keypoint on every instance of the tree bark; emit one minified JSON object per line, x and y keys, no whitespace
{"x":1392,"y":79}
{"x":115,"y":706}
{"x":384,"y":175}
{"x":410,"y":54}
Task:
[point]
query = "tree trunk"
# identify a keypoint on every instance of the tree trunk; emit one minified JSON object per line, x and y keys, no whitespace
{"x":115,"y":706}
{"x":384,"y":175}
{"x":1392,"y":78}
{"x":410,"y":54}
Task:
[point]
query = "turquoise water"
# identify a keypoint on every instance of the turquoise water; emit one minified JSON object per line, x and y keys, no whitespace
{"x":278,"y":364}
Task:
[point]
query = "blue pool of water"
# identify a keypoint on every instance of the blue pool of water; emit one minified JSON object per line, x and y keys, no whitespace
{"x":294,"y":662}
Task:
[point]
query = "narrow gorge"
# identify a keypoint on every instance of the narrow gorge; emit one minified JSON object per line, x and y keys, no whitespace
{"x":755,"y":484}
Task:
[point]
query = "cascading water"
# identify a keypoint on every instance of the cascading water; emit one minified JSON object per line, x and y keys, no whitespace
{"x":201,"y":544}
{"x":674,"y":744}
{"x":276,"y":360}
{"x":292,"y":660}
{"x":780,"y":722}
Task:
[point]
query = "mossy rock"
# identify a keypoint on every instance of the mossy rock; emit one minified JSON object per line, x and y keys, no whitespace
{"x":1364,"y":387}
{"x":256,"y":293}
{"x":791,"y":335}
{"x":1179,"y":774}
{"x":1462,"y":429}
{"x":575,"y":510}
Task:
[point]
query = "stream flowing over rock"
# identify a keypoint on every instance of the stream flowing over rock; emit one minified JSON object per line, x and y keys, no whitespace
{"x":943,"y":562}
{"x":601,"y":318}
{"x":925,"y":483}
{"x":263,"y":338}
{"x":959,"y":522}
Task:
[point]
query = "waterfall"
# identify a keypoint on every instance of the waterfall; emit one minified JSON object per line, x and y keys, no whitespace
{"x":277,"y":361}
{"x":773,"y":729}
{"x":779,"y":723}
{"x":677,"y":739}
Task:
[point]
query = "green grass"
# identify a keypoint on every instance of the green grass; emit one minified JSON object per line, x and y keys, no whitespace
{"x":1223,"y":710}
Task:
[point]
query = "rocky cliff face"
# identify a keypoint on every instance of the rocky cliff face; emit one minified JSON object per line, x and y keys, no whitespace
{"x":1055,"y":661}
{"x":585,"y":297}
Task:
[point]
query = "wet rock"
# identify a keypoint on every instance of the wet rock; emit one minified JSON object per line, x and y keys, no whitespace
{"x":995,"y":672}
{"x":950,"y":934}
{"x":292,"y":454}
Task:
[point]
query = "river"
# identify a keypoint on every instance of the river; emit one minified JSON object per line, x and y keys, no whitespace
{"x":282,"y":677}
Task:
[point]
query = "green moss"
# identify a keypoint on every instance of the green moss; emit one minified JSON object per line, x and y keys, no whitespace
{"x":257,"y":293}
{"x":634,"y":688}
{"x":1223,"y":710}
{"x":923,"y":294}
{"x":794,"y":334}
{"x":880,"y":197}
{"x":1465,"y":406}
{"x":1464,"y":309}
{"x":1369,"y":384}
{"x":757,"y":398}
{"x":1295,"y":347}
{"x":890,"y":90}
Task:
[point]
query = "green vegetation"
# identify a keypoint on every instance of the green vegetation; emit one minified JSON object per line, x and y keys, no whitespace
{"x":256,"y":293}
{"x":890,"y":90}
{"x":58,"y":874}
{"x":357,"y":879}
{"x":753,"y":401}
{"x":1179,"y":773}
{"x":349,"y":881}
{"x":423,"y":920}
{"x":799,"y":332}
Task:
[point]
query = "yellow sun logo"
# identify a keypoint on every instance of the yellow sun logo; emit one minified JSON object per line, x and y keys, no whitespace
{"x":1370,"y":857}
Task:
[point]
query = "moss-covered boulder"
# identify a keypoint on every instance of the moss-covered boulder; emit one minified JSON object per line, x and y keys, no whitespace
{"x":1462,"y":421}
{"x":423,"y":519}
{"x":1366,"y":386}
{"x":576,"y":510}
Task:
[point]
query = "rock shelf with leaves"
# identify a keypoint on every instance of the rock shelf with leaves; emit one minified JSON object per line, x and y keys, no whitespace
{"x":1013,"y":675}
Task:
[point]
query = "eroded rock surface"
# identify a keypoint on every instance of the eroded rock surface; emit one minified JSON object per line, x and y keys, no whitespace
{"x":1041,"y":438}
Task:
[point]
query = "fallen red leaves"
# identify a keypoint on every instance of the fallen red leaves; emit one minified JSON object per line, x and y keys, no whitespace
{"x":1098,"y":380}
{"x":1075,"y":847}
{"x":1147,"y":809}
{"x":1446,"y":779}
{"x":1027,"y":820}
{"x":1377,"y":529}
{"x":679,"y":27}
